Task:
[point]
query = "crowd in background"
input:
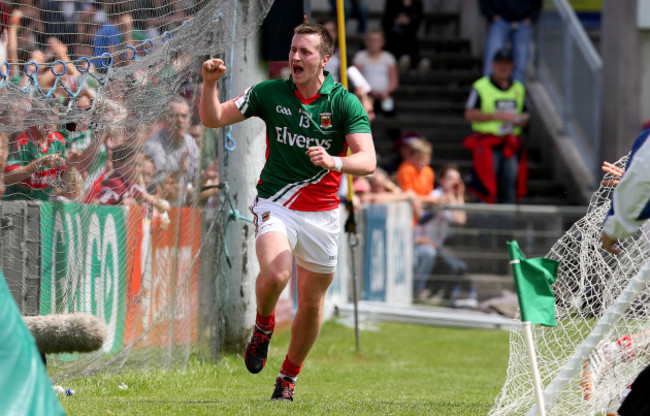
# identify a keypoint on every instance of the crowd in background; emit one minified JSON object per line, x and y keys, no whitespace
{"x":160,"y":164}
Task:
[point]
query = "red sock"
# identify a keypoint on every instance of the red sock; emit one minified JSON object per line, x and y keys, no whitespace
{"x":290,"y":369}
{"x":265,"y":323}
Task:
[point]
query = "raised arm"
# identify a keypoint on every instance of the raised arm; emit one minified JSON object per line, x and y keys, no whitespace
{"x":213,"y":113}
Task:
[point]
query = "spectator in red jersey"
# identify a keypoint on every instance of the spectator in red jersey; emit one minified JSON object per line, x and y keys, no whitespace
{"x":35,"y":163}
{"x":121,"y":187}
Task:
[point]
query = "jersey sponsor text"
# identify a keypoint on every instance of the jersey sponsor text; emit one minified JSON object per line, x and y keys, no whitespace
{"x":298,"y":140}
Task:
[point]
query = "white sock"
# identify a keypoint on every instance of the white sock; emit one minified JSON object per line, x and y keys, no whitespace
{"x":282,"y":375}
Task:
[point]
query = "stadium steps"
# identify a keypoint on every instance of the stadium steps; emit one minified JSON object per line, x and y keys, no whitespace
{"x":432,"y":103}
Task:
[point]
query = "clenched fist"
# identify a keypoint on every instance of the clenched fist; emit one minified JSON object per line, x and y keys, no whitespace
{"x":213,"y":70}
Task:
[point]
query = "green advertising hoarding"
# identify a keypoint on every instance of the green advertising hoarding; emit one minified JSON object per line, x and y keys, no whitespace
{"x":83,"y":264}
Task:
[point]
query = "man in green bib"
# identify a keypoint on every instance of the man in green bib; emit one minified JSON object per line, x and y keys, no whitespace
{"x":497,"y":110}
{"x":311,"y":122}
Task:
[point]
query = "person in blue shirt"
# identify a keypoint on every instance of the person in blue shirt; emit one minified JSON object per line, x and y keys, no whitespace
{"x":115,"y":32}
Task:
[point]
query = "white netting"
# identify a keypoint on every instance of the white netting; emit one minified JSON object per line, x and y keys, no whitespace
{"x":587,"y":370}
{"x":112,"y":205}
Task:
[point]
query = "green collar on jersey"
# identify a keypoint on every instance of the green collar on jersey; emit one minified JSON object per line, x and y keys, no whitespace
{"x":325,"y":89}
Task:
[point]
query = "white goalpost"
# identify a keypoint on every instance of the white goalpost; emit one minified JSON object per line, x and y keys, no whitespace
{"x":600,"y":344}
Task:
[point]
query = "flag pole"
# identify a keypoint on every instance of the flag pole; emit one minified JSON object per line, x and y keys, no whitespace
{"x":532,"y":356}
{"x":533,"y":283}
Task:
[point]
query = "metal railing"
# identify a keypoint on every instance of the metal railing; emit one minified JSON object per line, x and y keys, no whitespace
{"x":570,"y":68}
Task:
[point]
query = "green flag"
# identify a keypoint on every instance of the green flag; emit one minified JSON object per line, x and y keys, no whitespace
{"x":533,"y":280}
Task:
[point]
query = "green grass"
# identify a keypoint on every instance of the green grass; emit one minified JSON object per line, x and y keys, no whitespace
{"x":401,"y":370}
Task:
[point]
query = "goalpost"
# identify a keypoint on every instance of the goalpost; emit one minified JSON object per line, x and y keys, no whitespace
{"x":600,"y":343}
{"x":85,"y":87}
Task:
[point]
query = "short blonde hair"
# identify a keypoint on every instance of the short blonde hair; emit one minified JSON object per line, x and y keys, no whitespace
{"x":420,"y":146}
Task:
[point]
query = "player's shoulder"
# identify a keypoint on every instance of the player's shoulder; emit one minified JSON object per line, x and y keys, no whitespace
{"x":341,"y":93}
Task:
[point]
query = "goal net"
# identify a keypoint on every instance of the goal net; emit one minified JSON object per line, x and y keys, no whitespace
{"x":602,"y":335}
{"x":112,"y":204}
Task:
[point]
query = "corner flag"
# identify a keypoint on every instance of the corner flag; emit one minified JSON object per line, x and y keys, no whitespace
{"x":533,"y":280}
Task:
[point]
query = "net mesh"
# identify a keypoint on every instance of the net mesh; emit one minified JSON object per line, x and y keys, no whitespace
{"x":112,"y":203}
{"x":599,"y":360}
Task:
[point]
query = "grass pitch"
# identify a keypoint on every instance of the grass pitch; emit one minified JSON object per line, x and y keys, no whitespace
{"x":402,"y":370}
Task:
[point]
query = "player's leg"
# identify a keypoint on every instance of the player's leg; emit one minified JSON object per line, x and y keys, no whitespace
{"x":276,"y":262}
{"x":316,"y":253}
{"x":311,"y":288}
{"x":274,"y":245}
{"x":305,"y":328}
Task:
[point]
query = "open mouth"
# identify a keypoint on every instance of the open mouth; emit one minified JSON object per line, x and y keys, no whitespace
{"x":297,"y":70}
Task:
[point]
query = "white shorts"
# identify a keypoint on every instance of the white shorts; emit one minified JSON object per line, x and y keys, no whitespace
{"x":313,"y":235}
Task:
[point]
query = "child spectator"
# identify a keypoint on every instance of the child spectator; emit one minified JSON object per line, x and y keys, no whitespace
{"x":415,"y":173}
{"x":380,"y":70}
{"x":121,"y":187}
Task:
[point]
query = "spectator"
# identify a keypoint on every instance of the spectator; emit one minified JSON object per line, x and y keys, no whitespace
{"x":415,"y":173}
{"x":70,"y":189}
{"x":108,"y":37}
{"x":510,"y":21}
{"x":60,"y":18}
{"x":209,"y":191}
{"x":196,"y":131}
{"x":146,"y":172}
{"x":173,"y":150}
{"x":357,"y":9}
{"x":382,"y":189}
{"x":121,"y":187}
{"x":379,"y":68}
{"x":35,"y":163}
{"x":83,"y":149}
{"x":161,"y":16}
{"x":401,"y":22}
{"x":400,"y":152}
{"x":497,"y":110}
{"x":430,"y":234}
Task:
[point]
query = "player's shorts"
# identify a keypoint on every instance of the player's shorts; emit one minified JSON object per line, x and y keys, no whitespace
{"x":313,"y":235}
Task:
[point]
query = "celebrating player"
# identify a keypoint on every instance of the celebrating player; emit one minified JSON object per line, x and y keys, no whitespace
{"x":310,"y":124}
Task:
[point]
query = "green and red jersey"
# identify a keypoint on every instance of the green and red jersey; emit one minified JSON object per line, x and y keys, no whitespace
{"x":78,"y":141}
{"x":295,"y":123}
{"x":25,"y":149}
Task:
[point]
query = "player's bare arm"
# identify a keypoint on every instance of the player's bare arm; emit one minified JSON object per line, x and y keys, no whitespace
{"x":362,"y":160}
{"x":213,"y":113}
